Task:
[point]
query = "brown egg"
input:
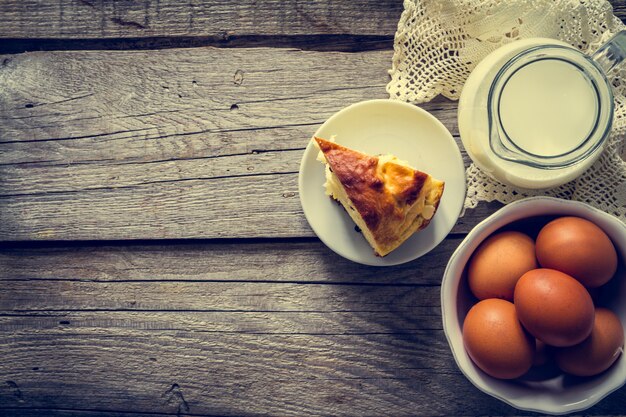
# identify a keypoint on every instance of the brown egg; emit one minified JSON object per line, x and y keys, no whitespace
{"x":578,"y":248}
{"x":498,"y":263}
{"x":554,"y":307}
{"x":496,"y":341}
{"x":599,"y":351}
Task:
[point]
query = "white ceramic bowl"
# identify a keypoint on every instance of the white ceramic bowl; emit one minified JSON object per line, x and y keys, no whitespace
{"x":555,"y":393}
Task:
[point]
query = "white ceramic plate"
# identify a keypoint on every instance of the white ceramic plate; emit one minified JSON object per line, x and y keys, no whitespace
{"x":381,"y":127}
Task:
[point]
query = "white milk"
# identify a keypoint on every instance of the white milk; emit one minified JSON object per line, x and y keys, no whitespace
{"x":547,"y":108}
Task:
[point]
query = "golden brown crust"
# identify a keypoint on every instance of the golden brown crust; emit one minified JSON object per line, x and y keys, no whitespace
{"x":357,"y":174}
{"x":383,"y":196}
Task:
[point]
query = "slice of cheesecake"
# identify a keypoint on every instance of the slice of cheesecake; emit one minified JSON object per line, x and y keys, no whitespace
{"x":386,"y":198}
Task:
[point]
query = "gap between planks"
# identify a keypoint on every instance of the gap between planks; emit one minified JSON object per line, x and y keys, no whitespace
{"x":319,"y":43}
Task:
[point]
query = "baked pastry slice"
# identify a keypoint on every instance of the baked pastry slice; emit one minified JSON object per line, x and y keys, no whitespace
{"x":386,"y":198}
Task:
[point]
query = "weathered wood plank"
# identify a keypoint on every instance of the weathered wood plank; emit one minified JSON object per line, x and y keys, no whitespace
{"x":56,"y":412}
{"x":52,"y":412}
{"x":267,"y":261}
{"x":219,"y":19}
{"x":218,"y":322}
{"x":236,"y":374}
{"x":214,"y":296}
{"x":231,"y":207}
{"x":265,"y":206}
{"x":619,"y":9}
{"x":208,"y":99}
{"x":216,"y":20}
{"x":174,"y":150}
{"x":179,"y":95}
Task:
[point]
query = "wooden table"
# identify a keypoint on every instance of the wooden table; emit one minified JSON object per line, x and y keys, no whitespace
{"x":155,"y":259}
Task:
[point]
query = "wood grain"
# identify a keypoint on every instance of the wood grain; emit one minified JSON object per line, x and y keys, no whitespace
{"x":236,"y":374}
{"x":219,"y":19}
{"x":143,"y":160}
{"x":37,"y":412}
{"x":256,"y":316}
{"x":216,"y":22}
{"x":213,"y":296}
{"x":269,"y":261}
{"x":278,"y":347}
{"x":350,"y":363}
{"x":180,"y":94}
{"x":193,"y":347}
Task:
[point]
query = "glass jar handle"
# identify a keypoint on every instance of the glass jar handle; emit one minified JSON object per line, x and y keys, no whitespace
{"x":611,"y":53}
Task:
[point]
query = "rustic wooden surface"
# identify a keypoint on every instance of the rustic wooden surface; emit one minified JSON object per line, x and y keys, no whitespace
{"x":154,"y":258}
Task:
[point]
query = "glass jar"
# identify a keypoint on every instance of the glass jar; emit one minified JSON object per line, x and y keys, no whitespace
{"x":536,"y":113}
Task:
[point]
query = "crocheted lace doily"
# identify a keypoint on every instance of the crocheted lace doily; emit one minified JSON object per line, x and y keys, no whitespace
{"x":439,"y":42}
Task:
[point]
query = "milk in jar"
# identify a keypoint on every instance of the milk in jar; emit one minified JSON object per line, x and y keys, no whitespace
{"x":534,"y":113}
